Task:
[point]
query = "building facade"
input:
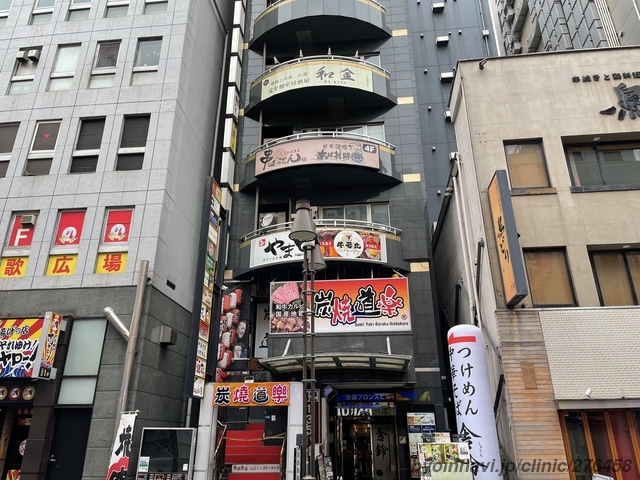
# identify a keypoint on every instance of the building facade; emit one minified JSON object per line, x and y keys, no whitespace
{"x":537,"y":245}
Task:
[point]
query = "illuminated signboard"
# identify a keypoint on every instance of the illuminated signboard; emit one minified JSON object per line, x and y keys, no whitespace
{"x":272,"y":394}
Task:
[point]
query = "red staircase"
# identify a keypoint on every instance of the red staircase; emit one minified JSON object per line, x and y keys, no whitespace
{"x":244,"y":447}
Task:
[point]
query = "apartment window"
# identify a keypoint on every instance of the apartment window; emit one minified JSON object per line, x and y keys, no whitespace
{"x":117,"y":8}
{"x":104,"y":65}
{"x":527,"y":168}
{"x":372,"y":213}
{"x":8,"y":133}
{"x":145,"y":66}
{"x":85,"y":155}
{"x":604,"y":164}
{"x":133,"y":142}
{"x":5,"y":6}
{"x":617,"y":276}
{"x":42,"y":12}
{"x":602,"y":442}
{"x":549,"y":280}
{"x":64,"y":68}
{"x":80,"y":374}
{"x":24,"y":71}
{"x":155,"y":6}
{"x":42,"y":148}
{"x":79,"y":10}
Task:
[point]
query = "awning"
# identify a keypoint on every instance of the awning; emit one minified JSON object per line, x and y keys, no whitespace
{"x":340,"y":361}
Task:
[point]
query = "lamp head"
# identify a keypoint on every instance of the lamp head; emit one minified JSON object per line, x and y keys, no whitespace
{"x":317,"y":260}
{"x":303,"y":229}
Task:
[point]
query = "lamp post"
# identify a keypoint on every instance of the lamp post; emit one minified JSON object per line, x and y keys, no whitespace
{"x":303,"y":232}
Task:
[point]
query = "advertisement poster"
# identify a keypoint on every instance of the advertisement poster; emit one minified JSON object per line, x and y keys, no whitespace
{"x":362,"y":305}
{"x":271,"y":394}
{"x":444,"y":461}
{"x":421,"y":427}
{"x":29,"y":346}
{"x":121,"y":451}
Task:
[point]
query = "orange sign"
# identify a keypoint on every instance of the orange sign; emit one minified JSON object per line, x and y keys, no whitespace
{"x":272,"y":394}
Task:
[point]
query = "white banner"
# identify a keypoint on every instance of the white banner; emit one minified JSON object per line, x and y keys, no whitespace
{"x":121,"y":451}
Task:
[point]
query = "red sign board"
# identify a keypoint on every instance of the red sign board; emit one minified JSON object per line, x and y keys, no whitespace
{"x":70,"y":228}
{"x":21,"y":235}
{"x":118,"y":226}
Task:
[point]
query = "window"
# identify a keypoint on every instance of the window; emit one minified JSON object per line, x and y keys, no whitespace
{"x":132,"y":143}
{"x":104,"y":65}
{"x":64,"y":68}
{"x":603,"y":439}
{"x":85,"y":155}
{"x":80,"y":374}
{"x":526,"y":165}
{"x":117,"y":8}
{"x":79,"y":10}
{"x":5,"y":6}
{"x":604,"y":164}
{"x":155,"y":6}
{"x":42,"y":12}
{"x":549,"y":281}
{"x":373,"y":130}
{"x":24,"y":71}
{"x":371,"y":58}
{"x":617,"y":276}
{"x":42,"y":148}
{"x":372,"y":213}
{"x":145,"y":66}
{"x":8,"y":133}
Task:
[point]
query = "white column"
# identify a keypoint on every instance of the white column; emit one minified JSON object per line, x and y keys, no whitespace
{"x":206,"y":439}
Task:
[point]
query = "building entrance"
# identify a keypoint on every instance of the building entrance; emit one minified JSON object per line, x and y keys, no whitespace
{"x":15,"y":430}
{"x":368,"y":448}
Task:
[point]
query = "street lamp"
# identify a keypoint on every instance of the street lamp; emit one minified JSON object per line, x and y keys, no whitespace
{"x":303,"y":232}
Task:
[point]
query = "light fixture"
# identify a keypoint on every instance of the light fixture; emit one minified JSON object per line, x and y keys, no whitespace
{"x":588,"y":392}
{"x":303,"y":229}
{"x":595,"y":139}
{"x":317,"y":260}
{"x":626,"y":246}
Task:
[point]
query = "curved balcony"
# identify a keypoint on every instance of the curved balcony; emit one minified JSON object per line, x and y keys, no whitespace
{"x":321,"y":159}
{"x":319,"y":83}
{"x":340,"y":240}
{"x":290,"y":22}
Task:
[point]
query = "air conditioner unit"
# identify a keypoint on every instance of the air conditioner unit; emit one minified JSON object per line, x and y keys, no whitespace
{"x":437,"y":7}
{"x":22,"y":56}
{"x":446,"y":76}
{"x":444,"y":40}
{"x":510,"y":14}
{"x":517,"y":47}
{"x":485,"y":33}
{"x":447,"y":115}
{"x":34,"y":55}
{"x":28,"y":220}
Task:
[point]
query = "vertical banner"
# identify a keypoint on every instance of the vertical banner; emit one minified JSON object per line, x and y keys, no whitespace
{"x":121,"y":451}
{"x":474,"y":402}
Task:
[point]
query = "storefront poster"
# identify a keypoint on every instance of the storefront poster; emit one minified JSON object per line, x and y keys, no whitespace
{"x":271,"y":394}
{"x":443,"y":461}
{"x":421,"y":427}
{"x":118,"y":226}
{"x":362,"y":305}
{"x":69,"y":228}
{"x":121,"y":451}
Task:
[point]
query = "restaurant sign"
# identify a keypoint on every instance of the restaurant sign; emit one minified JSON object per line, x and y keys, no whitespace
{"x":354,"y":306}
{"x":264,"y":394}
{"x":317,"y":151}
{"x":28,"y":346}
{"x":360,"y":245}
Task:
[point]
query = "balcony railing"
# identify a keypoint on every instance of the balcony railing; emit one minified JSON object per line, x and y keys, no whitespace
{"x":326,"y":223}
{"x":277,"y":3}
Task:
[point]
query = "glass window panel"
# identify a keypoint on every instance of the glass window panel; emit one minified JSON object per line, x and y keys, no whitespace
{"x":548,"y":278}
{"x":46,"y":137}
{"x":80,"y":2}
{"x":620,"y":166}
{"x":8,"y":137}
{"x":131,"y":161}
{"x":84,"y":164}
{"x":148,"y":53}
{"x":4,"y":166}
{"x":526,"y":165}
{"x":357,"y":129}
{"x":85,"y":347}
{"x":376,"y":131}
{"x":624,"y":445}
{"x":134,"y":131}
{"x":67,"y":59}
{"x":108,"y":55}
{"x":81,"y":14}
{"x":40,"y":166}
{"x":45,"y":3}
{"x":613,"y":281}
{"x":77,"y":391}
{"x":332,"y":213}
{"x":90,"y":136}
{"x":157,"y":7}
{"x":633,"y":260}
{"x":583,"y":164}
{"x":373,"y":58}
{"x":380,"y":214}
{"x":356,"y":212}
{"x":59,"y":84}
{"x":117,"y":11}
{"x":577,"y":443}
{"x":5,"y":4}
{"x":144,"y":78}
{"x":101,"y":81}
{"x":601,"y":445}
{"x":21,"y":87}
{"x":3,"y":21}
{"x":26,"y":68}
{"x":40,"y":18}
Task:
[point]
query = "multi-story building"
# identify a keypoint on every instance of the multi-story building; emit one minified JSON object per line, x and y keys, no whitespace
{"x":107,"y":121}
{"x":537,"y":244}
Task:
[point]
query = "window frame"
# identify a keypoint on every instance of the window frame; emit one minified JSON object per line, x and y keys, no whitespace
{"x":543,"y":158}
{"x":340,"y":129}
{"x":344,"y":219}
{"x":41,"y":155}
{"x":104,"y":71}
{"x":37,"y":11}
{"x":6,"y":156}
{"x":87,"y":152}
{"x":15,"y":78}
{"x":597,"y":148}
{"x":627,"y":271}
{"x":570,"y":285}
{"x":4,"y":14}
{"x":112,"y":4}
{"x":144,"y":68}
{"x":124,"y":152}
{"x":67,"y":74}
{"x":152,"y":2}
{"x":76,"y":6}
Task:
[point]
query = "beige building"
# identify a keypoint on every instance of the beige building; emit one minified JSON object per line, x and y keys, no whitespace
{"x":564,"y":357}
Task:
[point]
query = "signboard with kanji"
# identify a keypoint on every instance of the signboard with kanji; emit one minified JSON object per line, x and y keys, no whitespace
{"x":272,"y":394}
{"x":111,"y":262}
{"x":343,"y":306}
{"x":60,"y":265}
{"x":13,"y":267}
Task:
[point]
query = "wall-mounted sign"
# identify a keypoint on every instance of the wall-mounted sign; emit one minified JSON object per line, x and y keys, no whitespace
{"x":111,"y":262}
{"x":69,"y":228}
{"x":420,"y":426}
{"x":317,"y":73}
{"x":121,"y":451}
{"x":514,"y":282}
{"x":473,"y":399}
{"x":384,"y":409}
{"x":262,"y":468}
{"x":317,"y":151}
{"x":60,"y":265}
{"x":360,"y":245}
{"x":272,"y":394}
{"x":118,"y":226}
{"x":353,"y":306}
{"x":13,"y":267}
{"x":28,"y":346}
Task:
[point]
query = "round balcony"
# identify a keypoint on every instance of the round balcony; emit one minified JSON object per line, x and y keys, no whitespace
{"x":293,"y":22}
{"x":320,"y":83}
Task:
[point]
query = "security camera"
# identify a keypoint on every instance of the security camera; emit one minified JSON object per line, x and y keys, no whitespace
{"x":588,"y":392}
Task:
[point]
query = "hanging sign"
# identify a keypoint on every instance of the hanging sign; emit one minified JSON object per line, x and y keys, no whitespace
{"x":121,"y":451}
{"x":272,"y":394}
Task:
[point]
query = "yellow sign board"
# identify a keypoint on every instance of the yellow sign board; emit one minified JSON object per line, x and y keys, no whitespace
{"x":60,"y":265}
{"x":111,"y":263}
{"x":13,"y":267}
